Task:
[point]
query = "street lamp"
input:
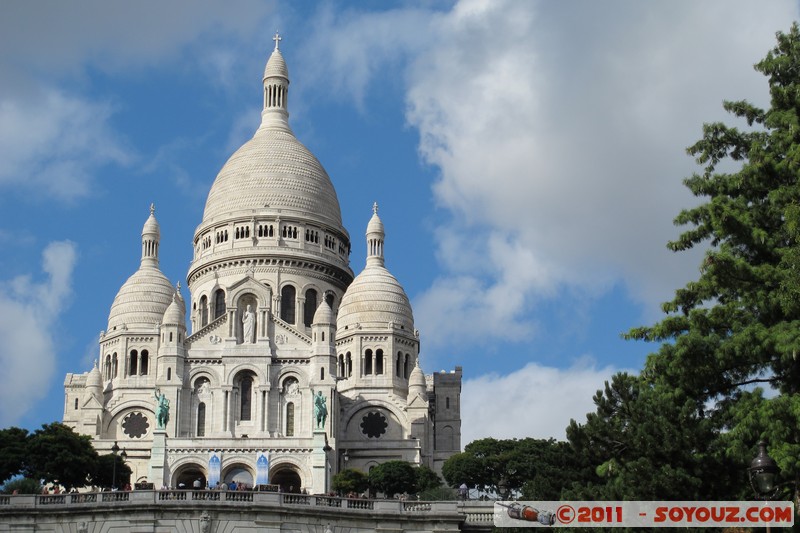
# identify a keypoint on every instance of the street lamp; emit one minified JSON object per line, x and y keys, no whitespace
{"x":763,"y":472}
{"x":123,"y":455}
{"x":327,"y":448}
{"x":114,"y":450}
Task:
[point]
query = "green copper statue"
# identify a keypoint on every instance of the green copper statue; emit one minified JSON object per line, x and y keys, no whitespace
{"x":320,"y":409}
{"x":162,"y":410}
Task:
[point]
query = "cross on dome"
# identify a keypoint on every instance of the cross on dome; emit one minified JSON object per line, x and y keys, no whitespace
{"x":152,"y":209}
{"x":277,"y":39}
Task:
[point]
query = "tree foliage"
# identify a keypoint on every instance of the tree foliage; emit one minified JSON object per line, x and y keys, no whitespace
{"x":13,"y":449}
{"x":56,"y":454}
{"x":109,"y":474}
{"x":506,"y":466}
{"x":350,"y":480}
{"x":393,"y":477}
{"x":426,"y":479}
{"x":689,"y":425}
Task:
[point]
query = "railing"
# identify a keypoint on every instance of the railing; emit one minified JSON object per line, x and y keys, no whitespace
{"x":326,"y":501}
{"x":90,"y":497}
{"x":54,"y":499}
{"x":416,"y":506}
{"x":475,"y":513}
{"x":123,"y":496}
{"x":360,"y":504}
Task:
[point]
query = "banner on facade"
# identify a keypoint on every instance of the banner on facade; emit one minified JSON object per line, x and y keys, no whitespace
{"x":214,"y":467}
{"x":262,"y":468}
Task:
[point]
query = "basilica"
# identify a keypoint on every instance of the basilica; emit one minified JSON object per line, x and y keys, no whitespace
{"x":291,"y":368}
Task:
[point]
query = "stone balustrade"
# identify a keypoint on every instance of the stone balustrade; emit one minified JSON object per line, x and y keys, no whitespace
{"x":471,"y":515}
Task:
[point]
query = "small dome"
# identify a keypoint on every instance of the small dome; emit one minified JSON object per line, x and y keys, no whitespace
{"x":94,"y":379}
{"x":324,"y":314}
{"x":276,"y":66}
{"x":374,"y":300}
{"x":417,"y":379}
{"x":375,"y":225}
{"x":141,"y":301}
{"x":175,"y":313}
{"x":151,"y":226}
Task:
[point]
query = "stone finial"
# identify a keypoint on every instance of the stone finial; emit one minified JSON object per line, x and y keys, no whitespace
{"x":277,"y":39}
{"x":375,"y":208}
{"x":152,"y":209}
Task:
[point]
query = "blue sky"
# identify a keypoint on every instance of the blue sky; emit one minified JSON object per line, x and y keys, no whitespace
{"x":527,"y":158}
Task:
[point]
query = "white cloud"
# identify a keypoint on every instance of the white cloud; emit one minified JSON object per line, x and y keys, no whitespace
{"x":29,"y":315}
{"x":54,"y":143}
{"x":534,"y":401}
{"x":560,"y":132}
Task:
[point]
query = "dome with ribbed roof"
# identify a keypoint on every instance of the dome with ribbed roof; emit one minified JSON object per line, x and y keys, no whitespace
{"x":143,"y":298}
{"x":276,"y":65}
{"x":176,"y":312}
{"x":274,"y":172}
{"x":375,"y":299}
{"x":416,"y":382}
{"x":324,"y":314}
{"x":94,"y":380}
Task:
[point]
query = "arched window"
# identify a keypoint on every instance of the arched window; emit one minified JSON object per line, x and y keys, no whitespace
{"x":398,"y":363}
{"x":219,"y":303}
{"x":322,"y":373}
{"x":114,"y":363}
{"x":406,"y":366}
{"x":107,"y":367}
{"x":145,"y":363}
{"x":288,"y":296}
{"x":133,"y":363}
{"x":329,"y":299}
{"x":203,"y":311}
{"x":349,"y":364}
{"x":76,"y":404}
{"x":341,"y":366}
{"x":368,"y":362}
{"x":169,"y":373}
{"x":201,"y":420}
{"x":246,"y":390}
{"x":290,"y":419}
{"x":378,"y":362}
{"x":310,"y":308}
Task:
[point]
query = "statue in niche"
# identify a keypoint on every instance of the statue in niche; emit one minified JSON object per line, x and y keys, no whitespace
{"x":248,"y":326}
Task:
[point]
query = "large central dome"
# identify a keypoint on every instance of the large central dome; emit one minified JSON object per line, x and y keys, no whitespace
{"x":273,"y":171}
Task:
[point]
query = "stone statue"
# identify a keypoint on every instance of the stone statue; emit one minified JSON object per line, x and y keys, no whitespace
{"x":248,"y":324}
{"x":205,"y":522}
{"x":162,"y":409}
{"x":320,"y":410}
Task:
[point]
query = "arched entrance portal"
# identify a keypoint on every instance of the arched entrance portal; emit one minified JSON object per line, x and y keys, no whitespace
{"x":287,"y":477}
{"x":187,"y":477}
{"x":238,"y":474}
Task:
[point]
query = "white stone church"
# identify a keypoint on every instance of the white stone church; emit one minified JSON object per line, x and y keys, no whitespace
{"x":277,"y":317}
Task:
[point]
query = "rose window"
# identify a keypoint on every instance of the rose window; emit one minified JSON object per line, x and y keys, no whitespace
{"x":374,"y":425}
{"x":135,"y":425}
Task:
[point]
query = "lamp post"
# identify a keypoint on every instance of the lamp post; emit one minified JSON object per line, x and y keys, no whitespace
{"x":327,"y":448}
{"x":123,"y":455}
{"x":763,"y":472}
{"x":114,"y":450}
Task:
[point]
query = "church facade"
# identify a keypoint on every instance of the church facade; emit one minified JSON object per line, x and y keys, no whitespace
{"x":291,"y":368}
